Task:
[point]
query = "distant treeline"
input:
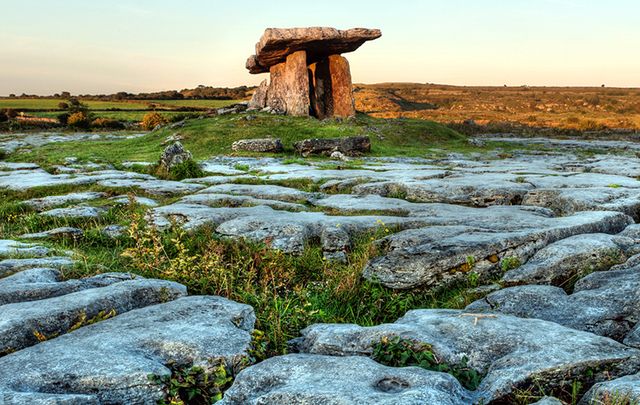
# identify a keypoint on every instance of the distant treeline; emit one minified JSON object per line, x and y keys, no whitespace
{"x":199,"y":93}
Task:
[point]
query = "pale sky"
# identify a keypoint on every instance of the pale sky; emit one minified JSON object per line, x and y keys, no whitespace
{"x":100,"y":46}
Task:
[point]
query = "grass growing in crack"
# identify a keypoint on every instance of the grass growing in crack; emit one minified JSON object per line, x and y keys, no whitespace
{"x":398,"y":352}
{"x":287,"y":292}
{"x":193,"y":384}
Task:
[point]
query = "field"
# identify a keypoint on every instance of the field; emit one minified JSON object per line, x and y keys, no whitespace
{"x":126,"y":110}
{"x":588,"y":108}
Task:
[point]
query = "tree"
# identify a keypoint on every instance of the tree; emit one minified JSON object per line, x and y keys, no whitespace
{"x":63,"y":106}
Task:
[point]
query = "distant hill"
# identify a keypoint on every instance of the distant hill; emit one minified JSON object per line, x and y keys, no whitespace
{"x":579,"y":108}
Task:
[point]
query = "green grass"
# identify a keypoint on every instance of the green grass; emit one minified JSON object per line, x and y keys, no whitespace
{"x":134,"y":116}
{"x":213,"y":136}
{"x":52,"y":103}
{"x":195,"y":103}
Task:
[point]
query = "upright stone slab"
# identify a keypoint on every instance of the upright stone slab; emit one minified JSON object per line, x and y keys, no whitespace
{"x":331,"y":94}
{"x":289,"y":89}
{"x":259,"y":98}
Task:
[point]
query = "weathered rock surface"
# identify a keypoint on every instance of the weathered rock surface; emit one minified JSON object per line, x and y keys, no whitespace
{"x":10,"y":266}
{"x":566,"y":201}
{"x":41,"y":283}
{"x":128,"y":199}
{"x":75,"y":212}
{"x":263,"y":191}
{"x":229,"y":200}
{"x":154,"y":186}
{"x":513,"y":352}
{"x":561,"y":262}
{"x":332,"y":94}
{"x":289,"y":88}
{"x":438,"y":255}
{"x":109,"y":362}
{"x":259,"y":98}
{"x":301,"y":379}
{"x":9,"y":247}
{"x":45,"y":203}
{"x":23,"y":322}
{"x":319,"y":42}
{"x":173,"y":155}
{"x":624,"y":390}
{"x":606,"y":303}
{"x":350,"y":146}
{"x":265,"y":145}
{"x":62,"y":232}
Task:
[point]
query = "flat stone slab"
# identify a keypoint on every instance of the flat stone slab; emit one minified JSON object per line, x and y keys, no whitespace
{"x":277,"y":43}
{"x":45,"y":203}
{"x":563,"y":261}
{"x":154,"y":186}
{"x":434,"y":256}
{"x":39,"y":284}
{"x":606,"y":303}
{"x":566,"y":201}
{"x":9,"y":247}
{"x":110,"y":361}
{"x":125,"y":200}
{"x":10,"y":266}
{"x":262,"y":191}
{"x":75,"y":212}
{"x":228,"y":200}
{"x":62,"y":232}
{"x":513,"y":352}
{"x":22,"y":323}
{"x":299,"y":379}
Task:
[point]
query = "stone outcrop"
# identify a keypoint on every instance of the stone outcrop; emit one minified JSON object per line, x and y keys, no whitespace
{"x":173,"y":155}
{"x":307,"y":74}
{"x":350,"y":146}
{"x":266,"y":145}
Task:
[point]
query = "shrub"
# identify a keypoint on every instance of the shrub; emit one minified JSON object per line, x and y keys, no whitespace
{"x":152,"y":120}
{"x":63,"y":106}
{"x":107,"y":123}
{"x":10,"y":112}
{"x":193,"y":385}
{"x":79,"y":120}
{"x":188,"y":169}
{"x":63,"y":118}
{"x":76,"y":106}
{"x":3,"y":116}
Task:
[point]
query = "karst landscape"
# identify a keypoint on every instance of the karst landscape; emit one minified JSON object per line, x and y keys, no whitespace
{"x":312,"y":241}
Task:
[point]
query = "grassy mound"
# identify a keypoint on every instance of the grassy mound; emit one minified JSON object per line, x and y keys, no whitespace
{"x":214,"y":136}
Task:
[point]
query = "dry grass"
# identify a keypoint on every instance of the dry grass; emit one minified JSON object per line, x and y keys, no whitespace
{"x":577,"y":108}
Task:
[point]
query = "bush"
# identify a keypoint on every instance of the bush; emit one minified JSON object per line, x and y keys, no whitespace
{"x":79,"y":120}
{"x":63,"y":106}
{"x":152,"y":120}
{"x":10,"y":112}
{"x":3,"y":116}
{"x":63,"y":118}
{"x":188,"y":169}
{"x":107,"y":123}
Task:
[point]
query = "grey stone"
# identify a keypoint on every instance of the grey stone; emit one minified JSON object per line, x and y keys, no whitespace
{"x":154,"y":186}
{"x":44,"y":203}
{"x":173,"y":155}
{"x":110,"y":361}
{"x":549,"y":401}
{"x":623,"y":390}
{"x":259,"y":98}
{"x":561,"y":262}
{"x":9,"y":247}
{"x":606,"y":303}
{"x":114,"y":231}
{"x":350,"y":146}
{"x":62,"y":232}
{"x":566,"y":201}
{"x":75,"y":212}
{"x":228,"y":200}
{"x":263,"y":191}
{"x":126,"y":199}
{"x":265,"y":145}
{"x":302,"y":379}
{"x":20,"y":322}
{"x":513,"y":352}
{"x":435,"y":256}
{"x":10,"y":266}
{"x":39,"y":284}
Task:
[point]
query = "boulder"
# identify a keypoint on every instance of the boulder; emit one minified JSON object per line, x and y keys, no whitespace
{"x":512,"y":353}
{"x":44,"y":203}
{"x":264,"y":145}
{"x":80,"y":211}
{"x":110,"y":362}
{"x":10,"y":266}
{"x":319,"y":42}
{"x":259,"y":98}
{"x":10,"y":247}
{"x":173,"y":155}
{"x":560,"y":263}
{"x":24,"y":324}
{"x":303,"y":379}
{"x":59,"y":233}
{"x":350,"y":146}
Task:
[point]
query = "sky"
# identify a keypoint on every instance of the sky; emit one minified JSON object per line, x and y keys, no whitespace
{"x":98,"y":46}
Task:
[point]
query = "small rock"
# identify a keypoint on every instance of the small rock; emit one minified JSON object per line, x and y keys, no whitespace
{"x":174,"y":155}
{"x":114,"y":231}
{"x":62,"y":232}
{"x":266,"y":145}
{"x":350,"y":146}
{"x":75,"y":212}
{"x":338,"y":156}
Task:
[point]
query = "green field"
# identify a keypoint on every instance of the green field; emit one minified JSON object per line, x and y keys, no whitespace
{"x":195,"y":103}
{"x":52,"y":104}
{"x":117,"y":115}
{"x":214,"y":136}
